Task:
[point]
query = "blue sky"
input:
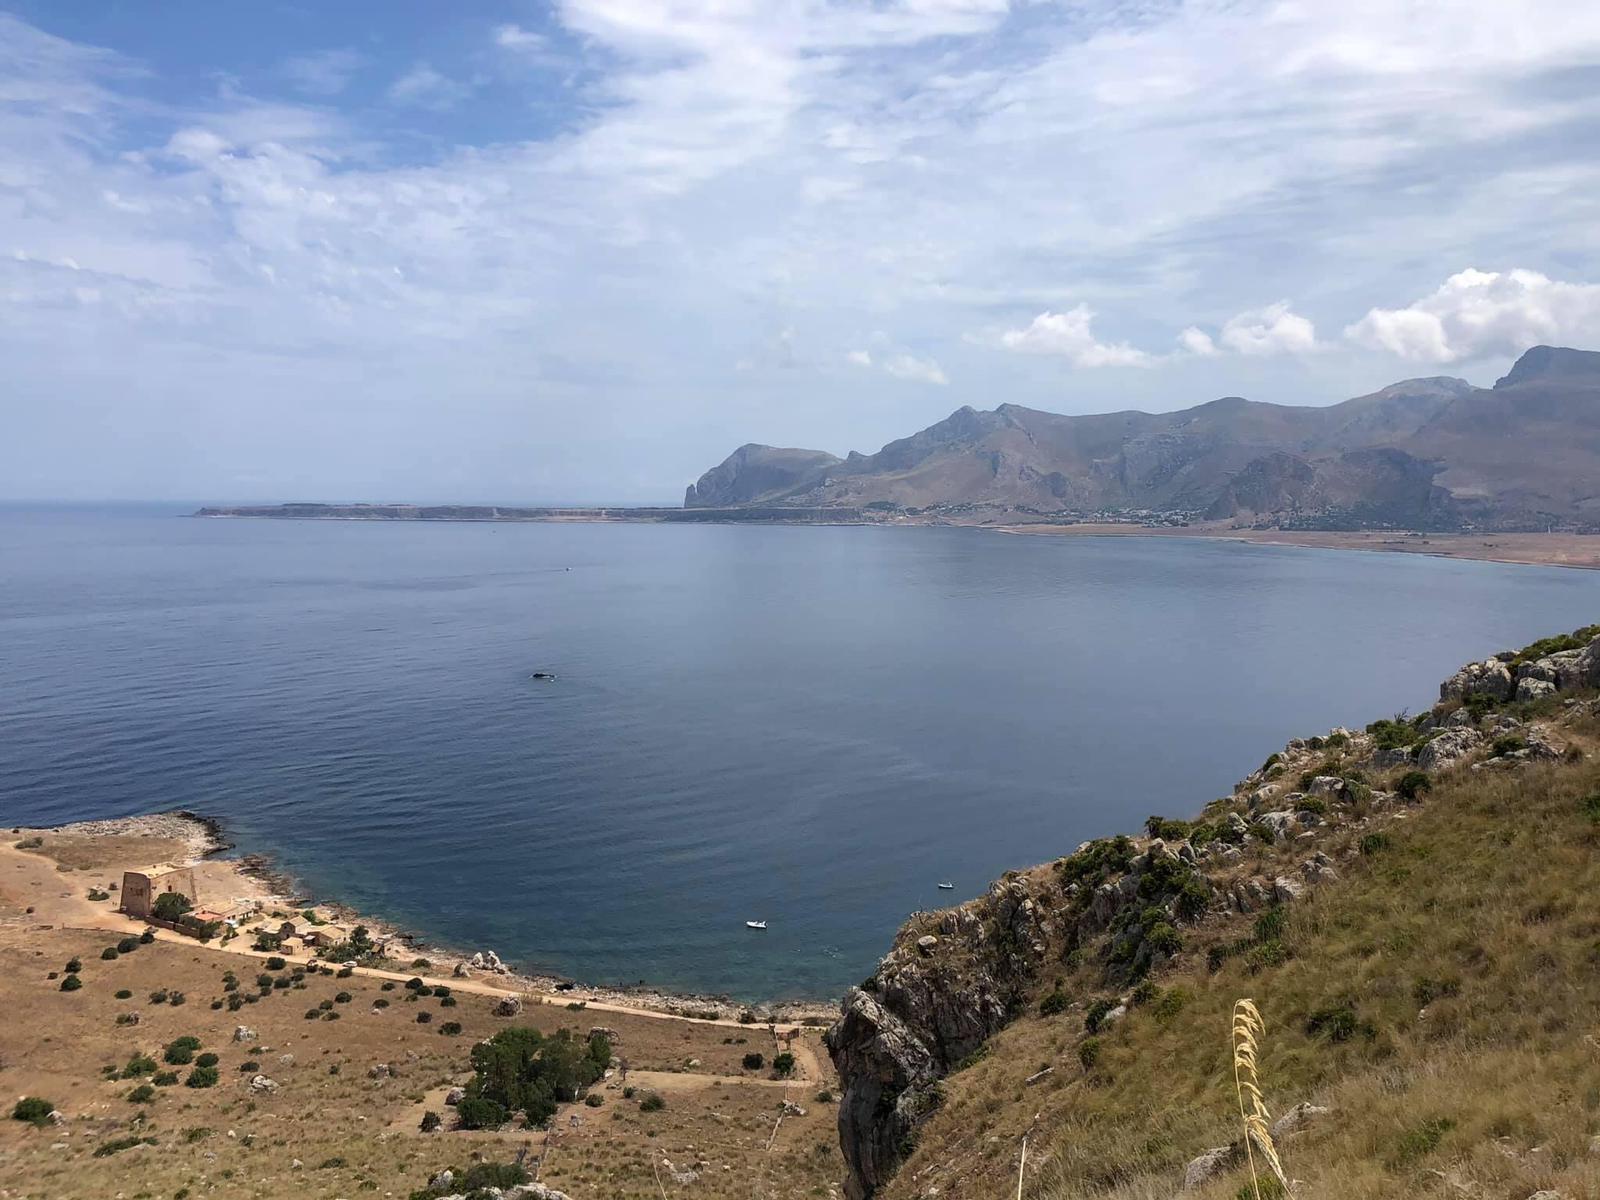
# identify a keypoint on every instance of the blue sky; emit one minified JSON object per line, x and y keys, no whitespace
{"x":578,"y":252}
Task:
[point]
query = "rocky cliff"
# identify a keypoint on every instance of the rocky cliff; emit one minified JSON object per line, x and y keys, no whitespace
{"x":1115,"y":912}
{"x":1432,"y":453}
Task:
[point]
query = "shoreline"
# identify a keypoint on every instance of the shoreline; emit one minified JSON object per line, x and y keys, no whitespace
{"x":1578,"y":551}
{"x":259,"y":880}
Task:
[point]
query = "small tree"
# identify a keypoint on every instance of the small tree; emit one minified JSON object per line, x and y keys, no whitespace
{"x":32,"y":1110}
{"x":783,"y":1063}
{"x":754,"y":1061}
{"x":170,"y":906}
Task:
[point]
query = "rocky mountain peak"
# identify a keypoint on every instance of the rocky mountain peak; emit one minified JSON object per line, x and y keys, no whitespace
{"x":1552,"y":362}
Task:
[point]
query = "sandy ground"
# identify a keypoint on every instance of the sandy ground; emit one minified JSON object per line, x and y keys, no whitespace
{"x":332,"y":1127}
{"x":1533,"y":549}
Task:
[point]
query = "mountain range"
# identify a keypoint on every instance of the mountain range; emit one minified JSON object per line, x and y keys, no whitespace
{"x":1432,"y":453}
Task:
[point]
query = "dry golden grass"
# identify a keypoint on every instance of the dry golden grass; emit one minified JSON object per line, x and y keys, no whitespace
{"x":1460,"y":961}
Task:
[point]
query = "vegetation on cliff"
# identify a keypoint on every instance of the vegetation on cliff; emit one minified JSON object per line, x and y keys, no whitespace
{"x":1423,"y":955}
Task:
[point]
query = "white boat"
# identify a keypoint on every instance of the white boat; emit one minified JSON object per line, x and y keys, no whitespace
{"x":756,"y":924}
{"x":947,"y":887}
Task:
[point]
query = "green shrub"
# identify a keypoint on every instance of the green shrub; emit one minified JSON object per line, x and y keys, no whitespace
{"x":1508,"y":744}
{"x":1266,"y":955}
{"x":148,"y":936}
{"x":180,"y":1051}
{"x":142,"y":1094}
{"x":1089,"y":1052}
{"x":207,"y":1060}
{"x":165,"y":1078}
{"x":783,"y":1063}
{"x":1374,"y":843}
{"x":1166,"y":828}
{"x":170,"y":906}
{"x":1413,"y":784}
{"x":109,"y":953}
{"x":477,"y":1113}
{"x":124,"y":994}
{"x":1164,"y":939}
{"x":430,"y":1121}
{"x":139,"y":1064}
{"x":754,"y":1061}
{"x":33,"y":1110}
{"x":107,"y":1149}
{"x":1337,"y":1022}
{"x":201,"y":1077}
{"x":1425,"y":991}
{"x":1096,"y":1015}
{"x":450,"y":1028}
{"x":276,"y":964}
{"x":127,"y":945}
{"x":652,"y":1103}
{"x":1056,"y":1002}
{"x":71,"y":983}
{"x":74,"y":965}
{"x":593,"y":1100}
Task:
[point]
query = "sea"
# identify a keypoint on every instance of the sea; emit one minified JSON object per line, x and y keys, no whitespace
{"x":811,"y":726}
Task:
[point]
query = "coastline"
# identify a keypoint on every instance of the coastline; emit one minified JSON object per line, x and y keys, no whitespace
{"x":255,"y":880}
{"x":1574,"y":550}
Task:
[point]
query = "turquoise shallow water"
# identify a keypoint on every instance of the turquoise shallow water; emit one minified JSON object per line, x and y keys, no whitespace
{"x":808,"y":725}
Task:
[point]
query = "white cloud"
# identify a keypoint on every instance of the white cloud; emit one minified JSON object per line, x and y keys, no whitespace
{"x":1274,"y":329}
{"x":322,"y":72}
{"x":1197,"y":341}
{"x":916,"y":370}
{"x":424,"y":87}
{"x":515,"y":37}
{"x":861,"y":358}
{"x":1068,"y":334}
{"x":1479,"y":313}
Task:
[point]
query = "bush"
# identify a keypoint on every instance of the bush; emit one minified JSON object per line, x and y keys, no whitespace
{"x":165,"y":1078}
{"x":180,"y":1051}
{"x":652,"y":1103}
{"x":107,"y":1149}
{"x":248,"y":1065}
{"x":148,"y":936}
{"x":201,"y":1077}
{"x":127,"y":945}
{"x":1164,"y":939}
{"x":521,"y":1068}
{"x":139,"y":1064}
{"x":142,"y":1094}
{"x":1421,"y":1141}
{"x":430,"y":1121}
{"x":1096,"y":1015}
{"x":1145,"y":992}
{"x":754,"y":1061}
{"x":124,"y":994}
{"x":74,"y":965}
{"x":424,"y":1017}
{"x":207,"y":1060}
{"x":477,"y":1113}
{"x":1089,"y":1052}
{"x":450,"y":1028}
{"x":1413,"y":784}
{"x":342,"y":998}
{"x":783,"y":1063}
{"x":170,"y":906}
{"x":593,"y":1100}
{"x":71,"y":983}
{"x":276,"y":964}
{"x":1337,"y":1022}
{"x":1374,"y":843}
{"x":1509,"y":744}
{"x":33,"y":1110}
{"x":1056,"y":1002}
{"x":109,"y":953}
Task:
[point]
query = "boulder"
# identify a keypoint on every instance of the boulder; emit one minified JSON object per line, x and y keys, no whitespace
{"x":243,"y":1033}
{"x":1206,"y":1167}
{"x":927,"y":943}
{"x":378,"y":1071}
{"x":1491,"y":678}
{"x":1286,"y":890}
{"x":1448,"y":749}
{"x":1396,"y":756}
{"x":509,"y":1006}
{"x":262,"y":1084}
{"x":1296,"y":1119}
{"x":462,"y":971}
{"x":455,"y":1096}
{"x":1327,"y":785}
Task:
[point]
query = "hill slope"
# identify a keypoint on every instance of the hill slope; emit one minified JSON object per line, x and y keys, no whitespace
{"x":1425,"y":966}
{"x":1426,"y":453}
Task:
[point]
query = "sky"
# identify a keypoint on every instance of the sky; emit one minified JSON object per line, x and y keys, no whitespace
{"x":578,"y":252}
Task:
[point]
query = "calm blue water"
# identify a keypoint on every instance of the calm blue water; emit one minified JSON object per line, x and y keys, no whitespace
{"x":807,"y":725}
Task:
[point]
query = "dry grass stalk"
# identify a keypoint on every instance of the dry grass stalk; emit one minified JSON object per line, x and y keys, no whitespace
{"x":1248,"y":1029}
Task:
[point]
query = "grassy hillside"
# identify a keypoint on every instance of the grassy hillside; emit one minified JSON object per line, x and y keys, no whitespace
{"x":1437,"y":989}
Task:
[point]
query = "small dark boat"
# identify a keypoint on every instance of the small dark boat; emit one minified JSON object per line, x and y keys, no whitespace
{"x":543,"y":675}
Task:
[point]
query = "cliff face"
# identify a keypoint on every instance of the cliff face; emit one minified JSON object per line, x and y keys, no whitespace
{"x":1119,"y":911}
{"x":1425,"y":453}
